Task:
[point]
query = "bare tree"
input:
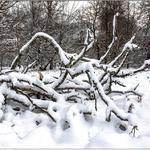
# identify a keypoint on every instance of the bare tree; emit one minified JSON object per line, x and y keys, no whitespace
{"x":6,"y":41}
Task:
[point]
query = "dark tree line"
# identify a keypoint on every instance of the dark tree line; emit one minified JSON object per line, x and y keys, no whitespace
{"x":20,"y":20}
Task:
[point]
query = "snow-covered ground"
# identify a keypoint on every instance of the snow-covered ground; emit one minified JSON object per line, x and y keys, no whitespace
{"x":30,"y":130}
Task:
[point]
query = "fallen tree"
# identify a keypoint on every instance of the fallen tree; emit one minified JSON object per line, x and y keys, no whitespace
{"x":81,"y":80}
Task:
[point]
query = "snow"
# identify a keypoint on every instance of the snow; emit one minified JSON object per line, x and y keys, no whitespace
{"x":129,"y":44}
{"x":147,"y":62}
{"x":63,"y":58}
{"x":114,"y":23}
{"x":61,"y":52}
{"x":86,"y":38}
{"x":114,"y":38}
{"x":84,"y":67}
{"x":25,"y":129}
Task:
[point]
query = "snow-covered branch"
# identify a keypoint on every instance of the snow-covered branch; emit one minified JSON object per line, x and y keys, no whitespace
{"x":145,"y":65}
{"x":62,"y":54}
{"x":87,"y":67}
{"x":113,"y":39}
{"x":83,"y":83}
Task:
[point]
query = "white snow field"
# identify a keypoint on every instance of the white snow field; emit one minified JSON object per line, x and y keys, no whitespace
{"x":25,"y":129}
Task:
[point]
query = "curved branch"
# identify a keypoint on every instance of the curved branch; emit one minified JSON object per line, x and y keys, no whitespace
{"x":57,"y":47}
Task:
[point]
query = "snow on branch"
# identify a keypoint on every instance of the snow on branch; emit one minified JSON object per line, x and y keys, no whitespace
{"x":61,"y":52}
{"x":88,"y":68}
{"x":145,"y":65}
{"x":82,"y":81}
{"x":128,"y":46}
{"x":114,"y":38}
